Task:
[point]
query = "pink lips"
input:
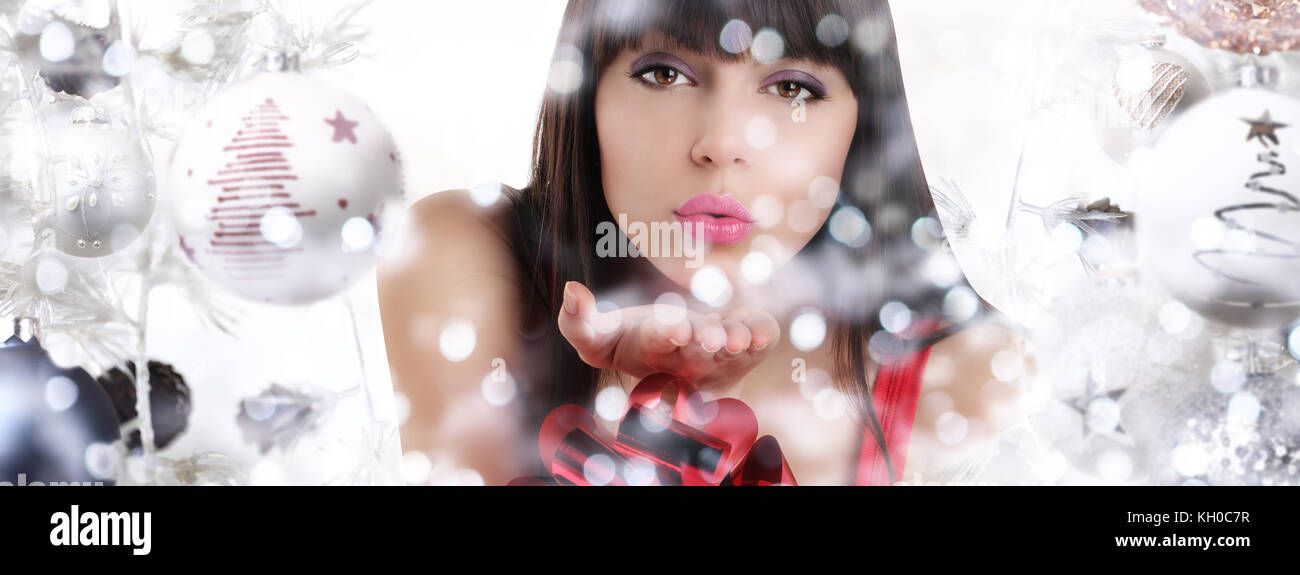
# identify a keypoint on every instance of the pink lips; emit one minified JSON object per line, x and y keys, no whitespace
{"x":717,"y":219}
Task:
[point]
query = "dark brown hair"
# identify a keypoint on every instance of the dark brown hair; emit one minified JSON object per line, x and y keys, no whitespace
{"x":559,"y":210}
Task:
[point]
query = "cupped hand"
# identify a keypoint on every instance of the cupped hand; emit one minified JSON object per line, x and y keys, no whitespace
{"x":703,"y":348}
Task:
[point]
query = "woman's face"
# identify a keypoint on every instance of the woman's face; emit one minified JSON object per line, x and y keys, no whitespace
{"x":749,"y":153}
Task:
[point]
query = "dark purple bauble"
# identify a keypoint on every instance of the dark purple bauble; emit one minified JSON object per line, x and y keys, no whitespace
{"x":49,"y":418}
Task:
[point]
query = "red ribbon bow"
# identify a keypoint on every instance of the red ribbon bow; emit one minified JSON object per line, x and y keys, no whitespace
{"x":668,"y":435}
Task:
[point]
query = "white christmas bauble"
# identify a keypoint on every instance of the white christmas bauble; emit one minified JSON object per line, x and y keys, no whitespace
{"x":103,"y":185}
{"x":279,"y":187}
{"x":1217,"y":213}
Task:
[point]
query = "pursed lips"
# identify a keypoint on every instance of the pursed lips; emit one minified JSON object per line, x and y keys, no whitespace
{"x":719,"y":219}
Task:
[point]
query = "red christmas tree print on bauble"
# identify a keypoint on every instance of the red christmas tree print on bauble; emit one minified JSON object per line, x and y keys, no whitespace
{"x":250,"y":185}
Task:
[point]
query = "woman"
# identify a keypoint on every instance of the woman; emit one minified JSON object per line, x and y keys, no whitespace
{"x":780,"y":132}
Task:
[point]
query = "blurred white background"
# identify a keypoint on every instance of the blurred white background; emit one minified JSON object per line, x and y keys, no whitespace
{"x":459,"y":84}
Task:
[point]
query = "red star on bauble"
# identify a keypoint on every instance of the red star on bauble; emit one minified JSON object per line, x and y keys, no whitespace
{"x":343,"y":128}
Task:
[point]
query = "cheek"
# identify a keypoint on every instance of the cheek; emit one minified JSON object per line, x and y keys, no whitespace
{"x":807,"y":167}
{"x":638,"y":153}
{"x":811,"y":150}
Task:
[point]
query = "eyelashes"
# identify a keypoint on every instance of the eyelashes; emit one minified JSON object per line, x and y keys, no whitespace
{"x":802,"y":85}
{"x":661,"y":76}
{"x":652,"y":70}
{"x":658,"y":73}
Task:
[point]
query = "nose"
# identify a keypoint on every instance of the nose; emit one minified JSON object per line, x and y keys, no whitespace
{"x":721,"y":142}
{"x":719,"y":151}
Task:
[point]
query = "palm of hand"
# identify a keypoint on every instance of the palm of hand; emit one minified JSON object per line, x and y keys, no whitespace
{"x":704,"y":348}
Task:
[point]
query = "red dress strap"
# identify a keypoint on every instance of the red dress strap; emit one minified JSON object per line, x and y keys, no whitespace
{"x":894,"y":395}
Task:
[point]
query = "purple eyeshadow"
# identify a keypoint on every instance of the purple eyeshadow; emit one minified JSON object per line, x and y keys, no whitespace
{"x":661,"y":59}
{"x":796,"y":76}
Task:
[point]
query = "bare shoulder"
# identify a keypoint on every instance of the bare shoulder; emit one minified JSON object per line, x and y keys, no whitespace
{"x":979,"y":368}
{"x":457,"y":207}
{"x":978,"y":340}
{"x":449,"y":305}
{"x":451,"y":223}
{"x":453,"y":259}
{"x":969,"y":394}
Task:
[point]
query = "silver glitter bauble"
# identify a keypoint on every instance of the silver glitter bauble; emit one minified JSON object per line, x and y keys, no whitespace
{"x":1247,"y":437}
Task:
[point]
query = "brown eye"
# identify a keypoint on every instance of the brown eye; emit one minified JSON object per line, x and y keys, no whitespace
{"x":791,"y":90}
{"x":662,"y":76}
{"x":665,"y":76}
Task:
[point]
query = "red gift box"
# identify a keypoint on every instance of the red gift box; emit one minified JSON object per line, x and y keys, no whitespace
{"x":668,"y":435}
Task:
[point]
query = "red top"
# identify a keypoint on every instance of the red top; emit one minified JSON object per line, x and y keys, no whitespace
{"x":894,"y":396}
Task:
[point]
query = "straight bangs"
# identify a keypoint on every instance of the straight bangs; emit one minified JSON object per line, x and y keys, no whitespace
{"x":813,"y":30}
